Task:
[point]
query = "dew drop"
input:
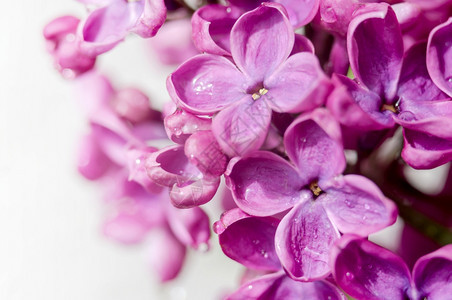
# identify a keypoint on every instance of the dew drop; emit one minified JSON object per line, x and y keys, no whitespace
{"x":68,"y":74}
{"x":366,"y":206}
{"x":349,"y":276}
{"x":228,"y":10}
{"x":70,"y":37}
{"x":449,"y":79}
{"x":203,"y":247}
{"x":138,"y":161}
{"x":256,"y":242}
{"x":250,"y":287}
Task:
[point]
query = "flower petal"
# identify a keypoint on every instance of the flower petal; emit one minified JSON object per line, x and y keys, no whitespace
{"x":300,"y":12}
{"x":263,"y":183}
{"x":242,"y":127}
{"x":298,"y":84}
{"x":367,"y":271}
{"x":212,"y":25}
{"x":278,"y":286}
{"x":250,"y":241}
{"x":181,"y":124}
{"x":356,"y":205}
{"x":148,"y":19}
{"x":415,"y":82}
{"x":303,"y":240}
{"x":375,"y":48}
{"x":439,"y":56}
{"x":190,"y":226}
{"x":206,"y":83}
{"x":166,"y":254}
{"x":432,"y":274}
{"x":261,"y":40}
{"x":312,"y":145}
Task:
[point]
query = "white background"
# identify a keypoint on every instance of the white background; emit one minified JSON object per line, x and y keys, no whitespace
{"x":51,"y":246}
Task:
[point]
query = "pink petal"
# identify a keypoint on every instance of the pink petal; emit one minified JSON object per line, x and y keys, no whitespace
{"x":298,"y":84}
{"x":181,"y":124}
{"x":261,"y":40}
{"x":303,"y":241}
{"x":278,"y":286}
{"x":205,"y":153}
{"x":250,"y":241}
{"x":367,"y":271}
{"x":439,"y":56}
{"x":302,"y":44}
{"x":432,"y":273}
{"x":312,"y":144}
{"x":356,"y":205}
{"x":264,"y":184}
{"x":375,"y":48}
{"x":191,"y":226}
{"x":150,"y":18}
{"x":242,"y":127}
{"x":92,"y":162}
{"x":206,"y":83}
{"x":300,"y":12}
{"x":212,"y":25}
{"x":166,"y":255}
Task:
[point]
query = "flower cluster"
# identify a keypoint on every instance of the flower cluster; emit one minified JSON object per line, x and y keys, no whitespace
{"x":271,"y":96}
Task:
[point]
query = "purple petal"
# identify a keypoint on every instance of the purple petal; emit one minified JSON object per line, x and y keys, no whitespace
{"x":261,"y":40}
{"x":302,"y":44}
{"x":439,"y":56}
{"x":194,"y":193}
{"x":245,"y":5}
{"x":424,"y":151}
{"x":150,"y":18}
{"x":298,"y":84}
{"x":300,"y":12}
{"x":105,"y":27}
{"x":206,"y":83}
{"x":242,"y":127}
{"x":212,"y":25}
{"x":181,"y":124}
{"x":335,"y":15}
{"x":205,"y":153}
{"x":250,"y":241}
{"x":356,"y":107}
{"x":375,"y":48}
{"x":263,"y":184}
{"x":92,"y":162}
{"x":136,"y":159}
{"x":303,"y":241}
{"x":132,"y":104}
{"x":367,"y":271}
{"x":432,"y":274}
{"x":338,"y":60}
{"x":356,"y":205}
{"x":278,"y":286}
{"x":166,"y":254}
{"x":415,"y":82}
{"x":191,"y":226}
{"x":312,"y":144}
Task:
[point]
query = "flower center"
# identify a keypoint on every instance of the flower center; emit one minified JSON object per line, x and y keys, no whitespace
{"x":389,"y":107}
{"x":315,"y":189}
{"x":259,"y":93}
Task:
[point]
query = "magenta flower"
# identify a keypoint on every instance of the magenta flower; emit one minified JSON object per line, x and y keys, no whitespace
{"x":108,"y":25}
{"x":63,"y":45}
{"x":367,"y":271}
{"x":321,"y":201}
{"x":212,"y":24}
{"x":250,"y":241}
{"x":264,"y":78}
{"x":391,"y":88}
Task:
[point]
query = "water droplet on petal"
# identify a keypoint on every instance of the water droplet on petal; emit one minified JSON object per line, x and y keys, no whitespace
{"x":366,"y":206}
{"x":138,"y":161}
{"x":204,"y":247}
{"x":349,"y":276}
{"x":250,"y":287}
{"x":68,"y":74}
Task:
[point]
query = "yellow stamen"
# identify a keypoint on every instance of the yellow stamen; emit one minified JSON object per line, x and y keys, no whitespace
{"x":388,"y":107}
{"x":259,"y":94}
{"x":315,"y":189}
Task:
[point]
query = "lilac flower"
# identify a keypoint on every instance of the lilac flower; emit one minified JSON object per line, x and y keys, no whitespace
{"x":264,"y":78}
{"x":212,"y":24}
{"x":367,"y":271}
{"x":250,"y":241}
{"x":109,"y":24}
{"x":191,"y":169}
{"x":391,"y":87}
{"x":62,"y":44}
{"x":321,"y":201}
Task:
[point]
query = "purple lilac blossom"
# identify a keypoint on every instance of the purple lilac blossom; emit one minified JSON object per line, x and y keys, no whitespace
{"x":250,"y":241}
{"x":263,"y":78}
{"x":322,"y":202}
{"x":109,"y":24}
{"x":367,"y":271}
{"x":392,"y":87}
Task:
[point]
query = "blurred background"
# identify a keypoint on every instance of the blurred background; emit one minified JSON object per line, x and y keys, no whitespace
{"x":51,"y":245}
